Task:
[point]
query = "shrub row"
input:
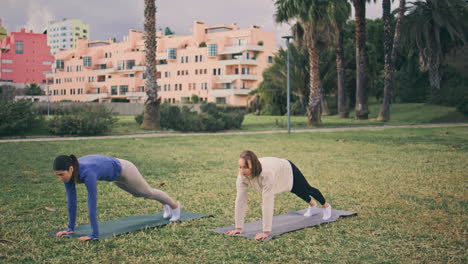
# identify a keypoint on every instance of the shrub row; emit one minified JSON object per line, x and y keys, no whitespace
{"x":17,"y":118}
{"x":211,"y":119}
{"x":85,"y":121}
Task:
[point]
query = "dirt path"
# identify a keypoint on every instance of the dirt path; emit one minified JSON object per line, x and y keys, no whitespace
{"x":175,"y":134}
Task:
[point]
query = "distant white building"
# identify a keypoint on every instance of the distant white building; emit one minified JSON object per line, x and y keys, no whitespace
{"x":63,"y":34}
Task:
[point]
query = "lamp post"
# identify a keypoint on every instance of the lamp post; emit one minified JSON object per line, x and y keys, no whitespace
{"x":288,"y":106}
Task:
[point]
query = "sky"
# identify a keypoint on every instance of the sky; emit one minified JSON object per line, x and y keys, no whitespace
{"x":113,"y":18}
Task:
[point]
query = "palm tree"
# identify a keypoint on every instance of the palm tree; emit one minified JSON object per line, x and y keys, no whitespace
{"x":151,"y":114}
{"x":435,"y":27}
{"x":361,"y":108}
{"x":312,"y":16}
{"x":340,"y":10}
{"x":391,"y":47}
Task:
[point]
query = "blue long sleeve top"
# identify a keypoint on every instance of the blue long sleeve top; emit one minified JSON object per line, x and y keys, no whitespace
{"x":92,"y":168}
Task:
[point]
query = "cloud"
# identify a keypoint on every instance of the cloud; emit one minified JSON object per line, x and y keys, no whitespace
{"x":38,"y":17}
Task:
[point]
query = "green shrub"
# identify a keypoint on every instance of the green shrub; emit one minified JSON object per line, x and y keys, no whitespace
{"x":211,"y":123}
{"x":211,"y":119}
{"x":18,"y":118}
{"x":139,"y":118}
{"x":96,"y":120}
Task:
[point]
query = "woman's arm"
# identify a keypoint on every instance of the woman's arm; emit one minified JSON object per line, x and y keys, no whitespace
{"x":241,"y":203}
{"x":91,"y":186}
{"x":71,"y":203}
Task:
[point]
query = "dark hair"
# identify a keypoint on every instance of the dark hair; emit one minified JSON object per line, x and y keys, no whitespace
{"x":256,"y":165}
{"x":64,"y":162}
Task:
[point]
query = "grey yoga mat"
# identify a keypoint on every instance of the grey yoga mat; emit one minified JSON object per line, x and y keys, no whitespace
{"x":288,"y":222}
{"x":129,"y":224}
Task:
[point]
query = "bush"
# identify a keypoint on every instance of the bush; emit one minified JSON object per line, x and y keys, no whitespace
{"x":89,"y":121}
{"x":211,"y":119}
{"x":18,"y":118}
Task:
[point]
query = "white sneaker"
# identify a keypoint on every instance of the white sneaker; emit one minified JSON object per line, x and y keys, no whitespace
{"x":309,"y":211}
{"x":175,"y":213}
{"x":327,"y":212}
{"x":167,"y":211}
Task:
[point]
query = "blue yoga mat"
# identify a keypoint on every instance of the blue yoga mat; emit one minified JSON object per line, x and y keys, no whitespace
{"x":129,"y":224}
{"x":288,"y":222}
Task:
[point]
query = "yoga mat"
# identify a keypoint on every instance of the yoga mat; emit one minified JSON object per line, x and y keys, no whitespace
{"x":291,"y":221}
{"x":129,"y":224}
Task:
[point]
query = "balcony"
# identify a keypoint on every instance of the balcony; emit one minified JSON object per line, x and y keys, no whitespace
{"x":228,"y":92}
{"x":135,"y":95}
{"x":241,"y":61}
{"x":93,"y":96}
{"x":229,"y":78}
{"x":104,"y":71}
{"x":240,"y":49}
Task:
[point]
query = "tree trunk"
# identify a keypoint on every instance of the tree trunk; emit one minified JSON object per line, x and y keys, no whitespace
{"x":314,"y":107}
{"x":361,"y":109}
{"x":151,"y":115}
{"x":434,"y":80}
{"x":343,"y":107}
{"x":384,"y":114}
{"x":323,"y":102}
{"x":391,"y":51}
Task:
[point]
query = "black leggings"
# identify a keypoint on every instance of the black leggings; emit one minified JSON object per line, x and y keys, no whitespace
{"x":302,"y":188}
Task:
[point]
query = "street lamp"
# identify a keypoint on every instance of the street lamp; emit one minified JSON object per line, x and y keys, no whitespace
{"x":288,"y":106}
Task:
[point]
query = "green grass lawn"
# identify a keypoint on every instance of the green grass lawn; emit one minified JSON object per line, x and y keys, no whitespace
{"x":408,"y":187}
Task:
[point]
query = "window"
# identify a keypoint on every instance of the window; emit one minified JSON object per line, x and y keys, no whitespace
{"x":11,"y":61}
{"x":214,"y":71}
{"x":85,"y":31}
{"x":196,"y":58}
{"x":201,"y":58}
{"x":87,"y":61}
{"x":101,"y":78}
{"x":120,"y":65}
{"x":221,"y":100}
{"x":123,"y":89}
{"x":59,"y":64}
{"x":171,"y":53}
{"x":212,"y":49}
{"x":219,"y":71}
{"x":130,"y":64}
{"x":19,"y":45}
{"x":7,"y":70}
{"x":114,"y":90}
{"x":270,"y":59}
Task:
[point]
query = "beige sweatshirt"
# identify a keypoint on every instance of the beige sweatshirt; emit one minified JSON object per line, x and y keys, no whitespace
{"x":276,"y":177}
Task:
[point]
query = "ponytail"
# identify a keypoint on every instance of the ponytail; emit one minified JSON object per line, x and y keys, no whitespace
{"x":76,"y":169}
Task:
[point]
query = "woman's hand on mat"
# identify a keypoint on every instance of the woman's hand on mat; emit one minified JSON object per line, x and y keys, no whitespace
{"x":261,"y":236}
{"x":234,"y":232}
{"x":61,"y":233}
{"x":85,"y":238}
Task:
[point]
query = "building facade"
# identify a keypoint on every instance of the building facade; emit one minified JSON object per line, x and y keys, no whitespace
{"x":3,"y":31}
{"x":219,"y":64}
{"x":25,"y":58}
{"x":63,"y":34}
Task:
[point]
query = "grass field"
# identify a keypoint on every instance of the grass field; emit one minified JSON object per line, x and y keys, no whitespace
{"x":408,"y":187}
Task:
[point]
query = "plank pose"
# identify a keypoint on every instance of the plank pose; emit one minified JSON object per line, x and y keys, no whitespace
{"x":88,"y":170}
{"x":270,"y":176}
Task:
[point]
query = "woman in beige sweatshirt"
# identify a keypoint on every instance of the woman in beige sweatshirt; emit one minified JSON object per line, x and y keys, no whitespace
{"x":270,"y":176}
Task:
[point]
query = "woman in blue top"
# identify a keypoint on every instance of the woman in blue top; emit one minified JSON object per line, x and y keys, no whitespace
{"x":89,"y":169}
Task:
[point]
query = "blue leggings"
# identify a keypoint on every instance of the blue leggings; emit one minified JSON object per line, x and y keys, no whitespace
{"x":302,"y":188}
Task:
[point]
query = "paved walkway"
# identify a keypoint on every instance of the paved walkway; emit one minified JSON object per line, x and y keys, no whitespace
{"x":176,"y":134}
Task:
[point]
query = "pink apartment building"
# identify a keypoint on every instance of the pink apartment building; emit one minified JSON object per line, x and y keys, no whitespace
{"x":218,"y":64}
{"x":25,"y":57}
